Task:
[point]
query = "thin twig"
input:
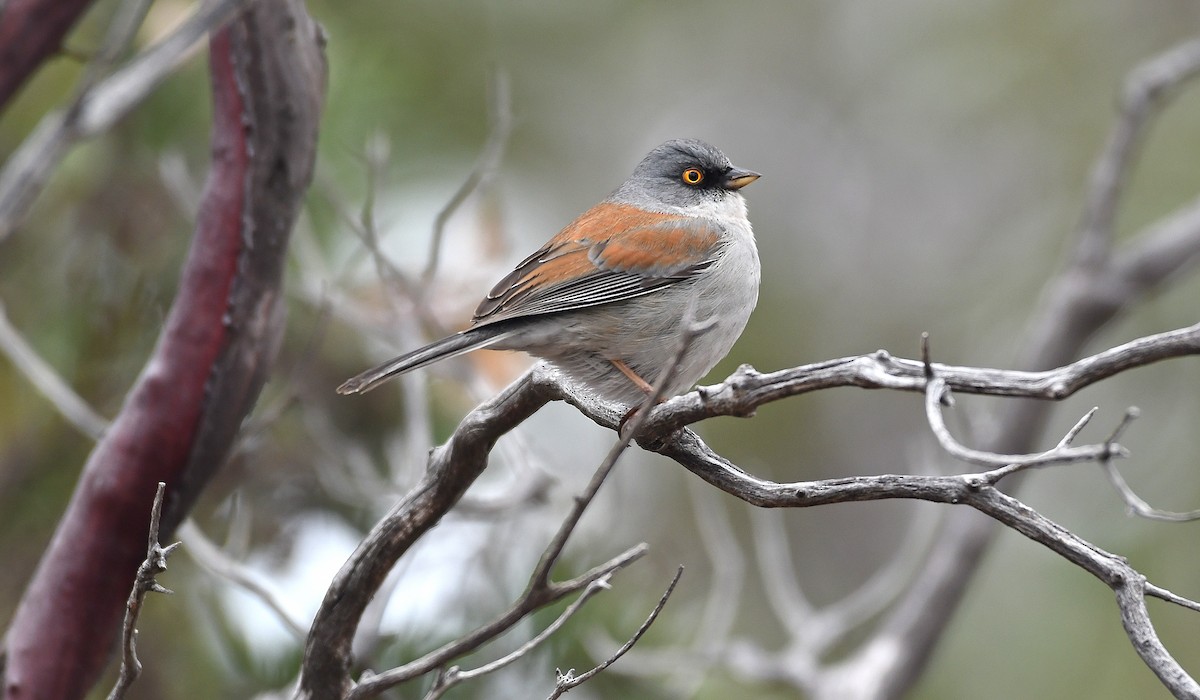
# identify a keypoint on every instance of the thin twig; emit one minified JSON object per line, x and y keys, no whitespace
{"x":154,"y":564}
{"x":968,"y":489}
{"x":568,"y":680}
{"x":453,"y":676}
{"x":1080,"y":424}
{"x":43,"y":377}
{"x":122,"y":30}
{"x":209,"y":556}
{"x":690,"y":329}
{"x":377,"y":683}
{"x":1134,"y":502}
{"x":499,"y":129}
{"x":540,"y":589}
{"x":1131,"y":414}
{"x":367,"y":226}
{"x":1164,"y":594}
{"x":1063,"y":453}
{"x":727,"y":581}
{"x":784,"y":594}
{"x":1137,"y":505}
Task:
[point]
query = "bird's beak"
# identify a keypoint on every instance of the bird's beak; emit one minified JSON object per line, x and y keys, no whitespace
{"x":737,"y":178}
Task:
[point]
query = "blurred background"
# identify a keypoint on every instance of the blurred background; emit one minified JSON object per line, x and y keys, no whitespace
{"x":923,"y":163}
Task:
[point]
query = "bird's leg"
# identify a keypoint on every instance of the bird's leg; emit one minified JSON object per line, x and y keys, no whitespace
{"x":639,"y":383}
{"x":633,"y":377}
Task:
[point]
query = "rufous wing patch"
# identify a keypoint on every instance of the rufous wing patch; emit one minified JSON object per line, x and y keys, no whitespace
{"x":664,"y":248}
{"x":611,"y":252}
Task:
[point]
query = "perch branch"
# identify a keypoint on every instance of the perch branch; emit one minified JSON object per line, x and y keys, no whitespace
{"x":464,"y":456}
{"x":747,"y":389}
{"x":323,"y":672}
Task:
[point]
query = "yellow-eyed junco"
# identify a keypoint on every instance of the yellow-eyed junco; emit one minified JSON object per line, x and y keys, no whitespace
{"x":604,"y":299}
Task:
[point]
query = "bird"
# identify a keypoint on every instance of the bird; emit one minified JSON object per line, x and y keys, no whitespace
{"x":606,"y":299}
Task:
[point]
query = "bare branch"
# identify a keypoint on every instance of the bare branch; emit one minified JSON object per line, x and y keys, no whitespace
{"x":453,"y":676}
{"x":43,"y":377}
{"x":936,"y":396}
{"x":967,"y":489}
{"x":121,"y":31}
{"x":1146,"y":91}
{"x":209,"y":556}
{"x":32,"y":31}
{"x":154,"y":564}
{"x":746,"y":389}
{"x":1130,"y":589}
{"x":1088,"y":294}
{"x":1138,"y":506}
{"x":691,"y":328}
{"x":567,"y":681}
{"x":535,"y":597}
{"x":366,"y":227}
{"x":1160,"y":253}
{"x":879,"y":370}
{"x":452,"y":467}
{"x":1096,"y":287}
{"x":112,"y":98}
{"x":463,"y":457}
{"x":1164,"y":594}
{"x":784,"y":593}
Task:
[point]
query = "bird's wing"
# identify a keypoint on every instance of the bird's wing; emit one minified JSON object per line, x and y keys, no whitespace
{"x":610,"y":253}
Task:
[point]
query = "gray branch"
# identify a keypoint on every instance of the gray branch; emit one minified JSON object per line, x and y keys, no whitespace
{"x":747,"y":389}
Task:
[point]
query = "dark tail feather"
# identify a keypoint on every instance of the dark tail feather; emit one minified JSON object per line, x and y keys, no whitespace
{"x":451,"y":346}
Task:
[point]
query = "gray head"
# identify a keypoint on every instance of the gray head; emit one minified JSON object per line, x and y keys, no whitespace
{"x":683,"y":172}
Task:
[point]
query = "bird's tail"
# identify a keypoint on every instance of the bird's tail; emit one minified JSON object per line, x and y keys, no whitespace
{"x":457,"y":344}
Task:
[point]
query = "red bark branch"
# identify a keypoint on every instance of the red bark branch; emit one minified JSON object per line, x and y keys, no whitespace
{"x":180,"y":419}
{"x":30,"y":32}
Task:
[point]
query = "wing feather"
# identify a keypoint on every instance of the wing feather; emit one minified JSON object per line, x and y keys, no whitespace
{"x":611,"y":253}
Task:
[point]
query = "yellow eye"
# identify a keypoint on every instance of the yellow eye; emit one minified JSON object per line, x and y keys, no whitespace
{"x":693,"y":176}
